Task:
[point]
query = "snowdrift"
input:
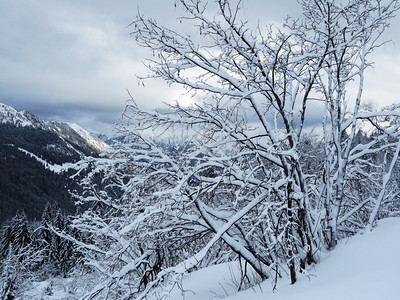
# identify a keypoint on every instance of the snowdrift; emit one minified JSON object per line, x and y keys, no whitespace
{"x":364,"y":267}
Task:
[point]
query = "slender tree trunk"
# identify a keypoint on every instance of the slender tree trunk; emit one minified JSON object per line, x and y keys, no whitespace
{"x":289,"y":235}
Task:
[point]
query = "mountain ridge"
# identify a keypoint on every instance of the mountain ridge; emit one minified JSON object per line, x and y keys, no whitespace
{"x":69,"y":131}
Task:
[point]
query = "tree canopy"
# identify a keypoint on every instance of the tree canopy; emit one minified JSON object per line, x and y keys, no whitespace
{"x":237,"y":175}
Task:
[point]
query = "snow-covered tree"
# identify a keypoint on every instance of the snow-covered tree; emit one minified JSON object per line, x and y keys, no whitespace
{"x":58,"y":254}
{"x":239,"y":177}
{"x":349,"y":31}
{"x":18,"y":258}
{"x":15,"y":235}
{"x":10,"y":275}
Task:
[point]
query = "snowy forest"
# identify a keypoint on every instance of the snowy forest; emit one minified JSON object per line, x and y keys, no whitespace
{"x":277,"y":160}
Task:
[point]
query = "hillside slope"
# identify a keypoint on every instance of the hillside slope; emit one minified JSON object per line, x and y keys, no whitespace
{"x":363,"y":267}
{"x":28,"y":146}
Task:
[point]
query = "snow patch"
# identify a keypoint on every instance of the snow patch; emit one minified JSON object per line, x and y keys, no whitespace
{"x":54,"y":168}
{"x":90,"y":139}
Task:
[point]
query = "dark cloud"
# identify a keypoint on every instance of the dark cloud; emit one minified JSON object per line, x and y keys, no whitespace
{"x":73,"y":60}
{"x":56,"y":56}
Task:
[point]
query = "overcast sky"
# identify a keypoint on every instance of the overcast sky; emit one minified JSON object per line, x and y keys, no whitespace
{"x":73,"y":60}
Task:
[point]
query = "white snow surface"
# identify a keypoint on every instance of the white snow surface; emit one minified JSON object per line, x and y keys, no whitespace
{"x":95,"y":142}
{"x":364,"y":267}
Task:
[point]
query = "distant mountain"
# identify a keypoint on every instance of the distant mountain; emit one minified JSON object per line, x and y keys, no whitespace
{"x":32,"y":152}
{"x":9,"y":115}
{"x":71,"y":132}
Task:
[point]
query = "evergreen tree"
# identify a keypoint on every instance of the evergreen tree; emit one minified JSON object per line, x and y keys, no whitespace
{"x":5,"y":240}
{"x":59,"y":253}
{"x":9,"y":276}
{"x":15,"y":234}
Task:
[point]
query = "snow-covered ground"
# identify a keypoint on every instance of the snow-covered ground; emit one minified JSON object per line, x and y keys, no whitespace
{"x":364,"y":267}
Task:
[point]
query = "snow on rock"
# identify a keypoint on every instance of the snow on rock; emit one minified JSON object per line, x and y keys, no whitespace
{"x":363,"y":267}
{"x":92,"y":140}
{"x":9,"y":115}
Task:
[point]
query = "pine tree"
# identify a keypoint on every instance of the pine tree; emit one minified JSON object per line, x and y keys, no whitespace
{"x":58,"y":252}
{"x":47,"y":219}
{"x":10,"y":273}
{"x":5,"y":240}
{"x":22,"y":236}
{"x":15,"y":234}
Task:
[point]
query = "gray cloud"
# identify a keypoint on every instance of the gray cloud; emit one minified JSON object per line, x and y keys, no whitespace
{"x":73,"y":60}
